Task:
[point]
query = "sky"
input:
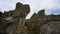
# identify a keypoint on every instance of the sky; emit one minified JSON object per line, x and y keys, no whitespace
{"x":50,"y":6}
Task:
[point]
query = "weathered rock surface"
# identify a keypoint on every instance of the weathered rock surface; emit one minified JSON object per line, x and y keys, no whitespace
{"x":14,"y":22}
{"x":51,"y":28}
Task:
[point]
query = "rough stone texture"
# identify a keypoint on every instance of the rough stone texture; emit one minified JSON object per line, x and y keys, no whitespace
{"x":10,"y":21}
{"x":51,"y":28}
{"x":35,"y":24}
{"x":14,"y":22}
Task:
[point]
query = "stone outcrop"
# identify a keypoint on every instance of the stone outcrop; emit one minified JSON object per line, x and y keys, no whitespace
{"x":14,"y":22}
{"x":36,"y":25}
{"x":52,"y":27}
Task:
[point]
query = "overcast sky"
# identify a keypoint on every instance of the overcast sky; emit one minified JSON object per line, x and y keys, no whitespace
{"x":50,"y":6}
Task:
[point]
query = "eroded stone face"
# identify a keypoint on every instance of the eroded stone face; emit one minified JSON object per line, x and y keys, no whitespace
{"x":9,"y":24}
{"x":21,"y":10}
{"x":51,"y":28}
{"x":14,"y":22}
{"x":10,"y":20}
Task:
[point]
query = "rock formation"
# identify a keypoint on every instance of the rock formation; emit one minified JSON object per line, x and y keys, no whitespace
{"x":14,"y":22}
{"x":36,"y":25}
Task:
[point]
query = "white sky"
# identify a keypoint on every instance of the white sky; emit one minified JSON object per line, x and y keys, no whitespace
{"x":49,"y":5}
